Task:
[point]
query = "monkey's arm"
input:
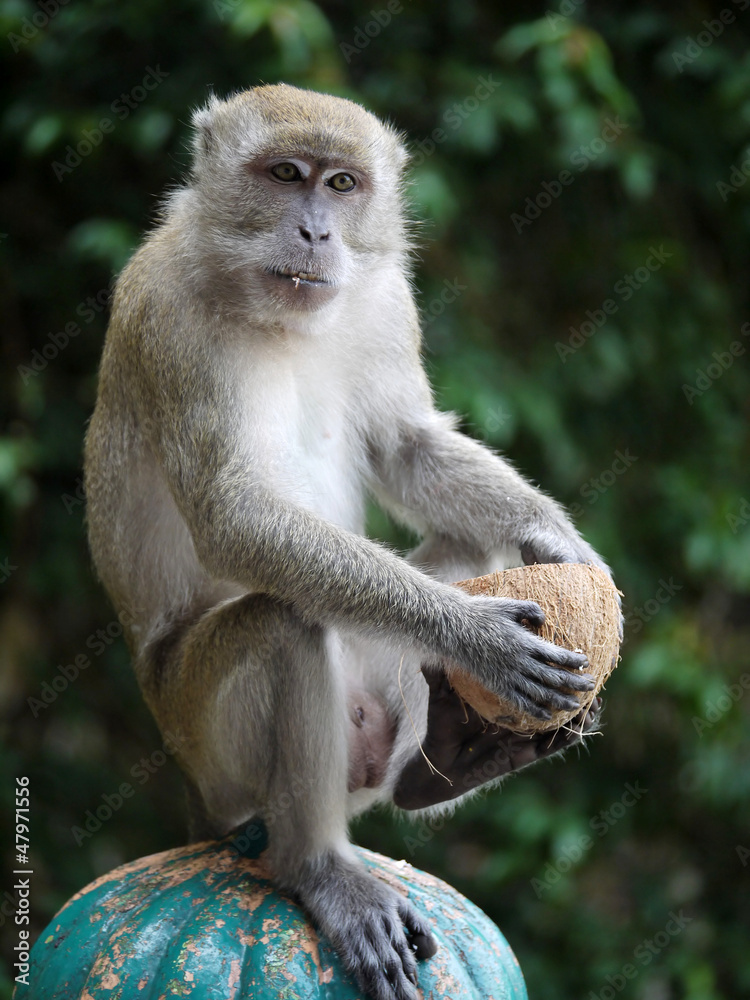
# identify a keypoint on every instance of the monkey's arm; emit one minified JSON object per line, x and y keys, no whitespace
{"x":333,"y":576}
{"x":245,"y":531}
{"x":444,"y":482}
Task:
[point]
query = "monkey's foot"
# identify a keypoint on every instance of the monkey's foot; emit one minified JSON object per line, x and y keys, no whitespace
{"x":469,"y":751}
{"x":377,"y":932}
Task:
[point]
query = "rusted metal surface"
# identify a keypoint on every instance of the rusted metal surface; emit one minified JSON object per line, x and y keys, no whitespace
{"x":205,"y":922}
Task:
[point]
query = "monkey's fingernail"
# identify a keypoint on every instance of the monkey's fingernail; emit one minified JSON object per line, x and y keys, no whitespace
{"x":424,"y":946}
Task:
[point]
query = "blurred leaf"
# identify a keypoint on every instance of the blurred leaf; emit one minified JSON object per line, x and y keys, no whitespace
{"x":108,"y":241}
{"x":43,"y":134}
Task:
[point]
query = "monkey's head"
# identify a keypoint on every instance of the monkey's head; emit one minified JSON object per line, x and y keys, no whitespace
{"x":299,"y":194}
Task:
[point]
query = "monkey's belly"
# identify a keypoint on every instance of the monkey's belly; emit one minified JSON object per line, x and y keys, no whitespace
{"x":371,"y":736}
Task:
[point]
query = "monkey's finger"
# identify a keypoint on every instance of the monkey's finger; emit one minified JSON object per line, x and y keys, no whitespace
{"x":549,"y":691}
{"x":588,"y":715}
{"x":529,"y":707}
{"x":572,"y":732}
{"x":551,"y":698}
{"x":406,"y":957}
{"x":587,"y":720}
{"x":400,"y":969}
{"x":418,"y":930}
{"x":524,"y":611}
{"x":592,"y":713}
{"x":548,"y":652}
{"x":536,"y":699}
{"x":380,"y":971}
{"x":558,"y":677}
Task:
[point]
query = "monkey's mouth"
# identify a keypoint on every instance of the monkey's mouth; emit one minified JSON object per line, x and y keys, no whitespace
{"x":300,"y":290}
{"x":299,"y":277}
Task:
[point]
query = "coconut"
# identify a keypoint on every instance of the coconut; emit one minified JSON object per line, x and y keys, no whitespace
{"x":582,"y":613}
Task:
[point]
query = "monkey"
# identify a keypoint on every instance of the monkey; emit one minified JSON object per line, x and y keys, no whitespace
{"x":261,"y":378}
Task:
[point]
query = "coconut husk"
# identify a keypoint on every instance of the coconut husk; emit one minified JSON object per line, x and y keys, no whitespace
{"x":582,"y":613}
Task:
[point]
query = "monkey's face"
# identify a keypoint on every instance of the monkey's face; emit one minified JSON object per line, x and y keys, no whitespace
{"x":303,"y":215}
{"x":301,"y":193}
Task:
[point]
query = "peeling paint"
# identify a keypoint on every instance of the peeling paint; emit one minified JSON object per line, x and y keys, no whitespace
{"x":203,"y":918}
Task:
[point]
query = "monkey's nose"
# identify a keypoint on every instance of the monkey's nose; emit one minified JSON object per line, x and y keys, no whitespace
{"x":313,"y":236}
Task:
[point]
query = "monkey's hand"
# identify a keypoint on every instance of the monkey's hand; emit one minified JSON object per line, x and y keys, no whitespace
{"x":557,"y":541}
{"x":377,"y":933}
{"x":554,"y":539}
{"x":468,"y":751}
{"x":492,"y":642}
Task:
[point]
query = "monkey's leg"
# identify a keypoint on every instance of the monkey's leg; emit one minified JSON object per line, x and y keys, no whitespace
{"x":468,"y":751}
{"x":260,"y":695}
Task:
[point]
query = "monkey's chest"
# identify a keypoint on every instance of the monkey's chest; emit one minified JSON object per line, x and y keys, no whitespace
{"x":315,"y":463}
{"x":300,"y":426}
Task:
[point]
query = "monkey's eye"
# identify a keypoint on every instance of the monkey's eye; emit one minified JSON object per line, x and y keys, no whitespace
{"x":342,"y":182}
{"x":286,"y":172}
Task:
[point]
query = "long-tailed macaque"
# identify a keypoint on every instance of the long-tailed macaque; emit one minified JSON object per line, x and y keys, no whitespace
{"x":261,"y":378}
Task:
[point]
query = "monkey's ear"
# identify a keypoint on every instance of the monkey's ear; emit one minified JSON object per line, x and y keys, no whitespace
{"x":401,"y":149}
{"x":403,"y":156}
{"x":203,"y":134}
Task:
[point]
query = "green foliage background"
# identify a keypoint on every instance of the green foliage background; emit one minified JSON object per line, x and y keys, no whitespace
{"x":576,"y":871}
